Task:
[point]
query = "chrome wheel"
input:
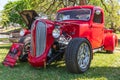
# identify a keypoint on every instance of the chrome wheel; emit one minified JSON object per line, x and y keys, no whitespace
{"x":78,"y":58}
{"x":83,"y":55}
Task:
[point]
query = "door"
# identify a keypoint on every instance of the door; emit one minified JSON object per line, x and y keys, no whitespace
{"x":97,"y":29}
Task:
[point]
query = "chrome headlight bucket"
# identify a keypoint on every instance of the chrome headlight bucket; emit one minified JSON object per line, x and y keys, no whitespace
{"x":56,"y":33}
{"x":22,"y":32}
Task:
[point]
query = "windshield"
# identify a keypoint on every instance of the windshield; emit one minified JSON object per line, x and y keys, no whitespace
{"x":76,"y":14}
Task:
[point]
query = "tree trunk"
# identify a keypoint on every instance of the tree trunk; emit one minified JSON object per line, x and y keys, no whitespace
{"x":83,"y":2}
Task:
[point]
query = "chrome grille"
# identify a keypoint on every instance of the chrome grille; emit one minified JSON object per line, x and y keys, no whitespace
{"x":31,"y":45}
{"x":40,"y":38}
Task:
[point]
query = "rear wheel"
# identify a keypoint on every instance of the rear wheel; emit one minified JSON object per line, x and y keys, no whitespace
{"x":26,"y":41}
{"x":78,"y":55}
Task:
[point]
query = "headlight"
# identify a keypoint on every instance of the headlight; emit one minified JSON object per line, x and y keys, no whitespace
{"x":22,"y":32}
{"x":56,"y":33}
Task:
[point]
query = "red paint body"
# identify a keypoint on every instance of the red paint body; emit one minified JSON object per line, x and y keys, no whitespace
{"x":39,"y":61}
{"x":13,"y":54}
{"x":27,"y":31}
{"x":94,"y":32}
{"x":110,"y":40}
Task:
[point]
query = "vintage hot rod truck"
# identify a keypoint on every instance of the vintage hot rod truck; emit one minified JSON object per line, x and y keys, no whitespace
{"x":75,"y":34}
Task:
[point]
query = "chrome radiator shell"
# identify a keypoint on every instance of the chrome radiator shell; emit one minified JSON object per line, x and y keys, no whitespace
{"x":38,"y":46}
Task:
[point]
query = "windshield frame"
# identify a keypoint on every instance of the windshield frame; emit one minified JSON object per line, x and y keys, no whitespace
{"x":74,"y":10}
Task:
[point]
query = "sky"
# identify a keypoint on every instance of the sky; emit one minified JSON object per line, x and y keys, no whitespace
{"x":3,"y":2}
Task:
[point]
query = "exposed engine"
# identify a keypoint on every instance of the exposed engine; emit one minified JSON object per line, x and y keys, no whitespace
{"x":57,"y":50}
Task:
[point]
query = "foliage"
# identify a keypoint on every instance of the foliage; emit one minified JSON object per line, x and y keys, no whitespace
{"x":11,"y":11}
{"x":112,"y":18}
{"x":4,"y":18}
{"x":104,"y":66}
{"x":49,"y":8}
{"x":111,"y":9}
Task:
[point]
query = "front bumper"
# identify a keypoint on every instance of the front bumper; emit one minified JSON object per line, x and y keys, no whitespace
{"x":37,"y":61}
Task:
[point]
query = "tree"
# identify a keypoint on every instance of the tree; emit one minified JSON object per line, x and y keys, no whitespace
{"x":111,"y":9}
{"x":12,"y":9}
{"x":49,"y":7}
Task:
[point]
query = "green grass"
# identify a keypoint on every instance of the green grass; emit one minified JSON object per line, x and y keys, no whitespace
{"x":104,"y":66}
{"x":3,"y":39}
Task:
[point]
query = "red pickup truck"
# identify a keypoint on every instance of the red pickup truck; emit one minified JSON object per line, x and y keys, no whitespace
{"x":75,"y":34}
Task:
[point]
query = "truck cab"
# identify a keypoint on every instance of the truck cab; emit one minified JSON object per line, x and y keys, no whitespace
{"x":90,"y":20}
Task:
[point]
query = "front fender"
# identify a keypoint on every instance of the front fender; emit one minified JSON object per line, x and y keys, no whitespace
{"x":41,"y":42}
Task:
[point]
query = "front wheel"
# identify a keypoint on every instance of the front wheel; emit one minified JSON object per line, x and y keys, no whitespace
{"x":78,"y":55}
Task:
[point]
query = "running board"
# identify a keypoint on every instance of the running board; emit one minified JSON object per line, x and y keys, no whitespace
{"x":13,"y":55}
{"x":97,"y":49}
